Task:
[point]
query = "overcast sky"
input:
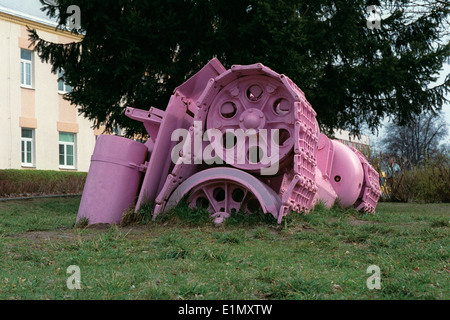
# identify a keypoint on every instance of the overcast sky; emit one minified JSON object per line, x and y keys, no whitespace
{"x":32,"y":7}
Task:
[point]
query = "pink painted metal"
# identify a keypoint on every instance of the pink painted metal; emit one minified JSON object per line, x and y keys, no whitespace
{"x":347,"y":174}
{"x":177,"y":115}
{"x":325,"y":154}
{"x":275,"y":102}
{"x":254,"y":101}
{"x":224,"y":191}
{"x":370,"y":191}
{"x":276,"y":159}
{"x":113,"y":179}
{"x":342,"y":174}
{"x":325,"y":192}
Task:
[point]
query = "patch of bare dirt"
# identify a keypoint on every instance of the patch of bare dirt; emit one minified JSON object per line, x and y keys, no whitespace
{"x":46,"y":235}
{"x":98,"y":226}
{"x":357,"y":222}
{"x":71,"y":234}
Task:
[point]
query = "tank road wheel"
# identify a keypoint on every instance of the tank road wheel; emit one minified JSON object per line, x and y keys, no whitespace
{"x":257,"y":111}
{"x":223,"y":191}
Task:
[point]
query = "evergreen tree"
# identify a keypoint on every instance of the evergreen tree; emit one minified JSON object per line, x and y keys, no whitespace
{"x":134,"y":53}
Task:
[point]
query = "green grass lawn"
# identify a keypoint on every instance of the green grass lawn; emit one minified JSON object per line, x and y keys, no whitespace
{"x":323,"y":255}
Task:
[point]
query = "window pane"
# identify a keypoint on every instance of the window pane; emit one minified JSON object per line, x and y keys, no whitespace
{"x":69,"y":160}
{"x":23,"y":151}
{"x":70,"y":155}
{"x":68,"y":88}
{"x":29,"y":152}
{"x":69,"y":150}
{"x":27,"y":133}
{"x":28,"y":73}
{"x":66,"y":137}
{"x":25,"y":54}
{"x":61,"y":154}
{"x":22,"y":73}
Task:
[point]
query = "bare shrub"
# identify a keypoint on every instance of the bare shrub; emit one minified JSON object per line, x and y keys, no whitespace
{"x":428,"y":181}
{"x":40,"y":182}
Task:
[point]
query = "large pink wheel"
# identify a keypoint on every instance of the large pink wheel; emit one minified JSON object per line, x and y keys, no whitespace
{"x":260,"y":109}
{"x":224,"y":191}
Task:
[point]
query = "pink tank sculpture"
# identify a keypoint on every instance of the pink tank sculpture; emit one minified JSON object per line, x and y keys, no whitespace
{"x":234,"y":140}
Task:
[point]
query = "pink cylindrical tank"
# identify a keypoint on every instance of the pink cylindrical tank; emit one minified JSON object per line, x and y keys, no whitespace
{"x":347,"y":174}
{"x":113,"y":180}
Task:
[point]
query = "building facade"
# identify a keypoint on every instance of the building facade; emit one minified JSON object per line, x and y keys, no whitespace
{"x":362,"y":143}
{"x":38,"y":128}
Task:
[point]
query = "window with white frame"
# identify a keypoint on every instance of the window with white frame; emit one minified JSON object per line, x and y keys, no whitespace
{"x":67,"y":150}
{"x":26,"y":68}
{"x":62,"y":87}
{"x":27,"y":147}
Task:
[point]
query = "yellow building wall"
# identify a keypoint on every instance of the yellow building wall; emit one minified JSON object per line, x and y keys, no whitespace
{"x":42,"y":107}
